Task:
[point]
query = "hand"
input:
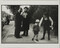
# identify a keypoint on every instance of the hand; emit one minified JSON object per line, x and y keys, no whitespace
{"x":51,"y":27}
{"x":21,"y":25}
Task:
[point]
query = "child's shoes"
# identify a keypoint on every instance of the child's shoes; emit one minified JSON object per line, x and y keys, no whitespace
{"x":32,"y":39}
{"x":36,"y":39}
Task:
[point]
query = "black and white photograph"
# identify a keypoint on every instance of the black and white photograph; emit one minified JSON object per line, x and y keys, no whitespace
{"x":29,"y":24}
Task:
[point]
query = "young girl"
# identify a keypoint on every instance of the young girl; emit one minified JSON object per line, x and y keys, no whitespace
{"x":36,"y":30}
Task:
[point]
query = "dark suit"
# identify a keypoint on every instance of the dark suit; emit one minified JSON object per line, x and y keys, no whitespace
{"x":46,"y":25}
{"x":26,"y":24}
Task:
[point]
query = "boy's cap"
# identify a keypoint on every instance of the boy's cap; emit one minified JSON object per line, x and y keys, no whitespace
{"x":37,"y":20}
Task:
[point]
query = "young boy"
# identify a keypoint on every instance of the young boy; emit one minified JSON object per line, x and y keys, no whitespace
{"x":36,"y":30}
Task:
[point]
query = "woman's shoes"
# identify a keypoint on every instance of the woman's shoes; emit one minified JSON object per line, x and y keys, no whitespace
{"x":18,"y":36}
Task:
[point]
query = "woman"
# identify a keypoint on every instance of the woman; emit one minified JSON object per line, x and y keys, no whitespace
{"x":18,"y":20}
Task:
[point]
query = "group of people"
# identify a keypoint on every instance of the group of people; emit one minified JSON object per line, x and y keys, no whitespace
{"x":22,"y":23}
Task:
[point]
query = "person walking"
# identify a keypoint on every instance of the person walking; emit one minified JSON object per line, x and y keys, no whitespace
{"x":36,"y":30}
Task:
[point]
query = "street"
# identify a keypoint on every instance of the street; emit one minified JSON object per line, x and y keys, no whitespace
{"x":9,"y":36}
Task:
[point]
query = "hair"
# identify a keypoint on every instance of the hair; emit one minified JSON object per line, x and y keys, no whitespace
{"x":46,"y":14}
{"x":26,"y":7}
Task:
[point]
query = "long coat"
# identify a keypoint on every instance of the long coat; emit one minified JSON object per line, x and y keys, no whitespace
{"x":18,"y":20}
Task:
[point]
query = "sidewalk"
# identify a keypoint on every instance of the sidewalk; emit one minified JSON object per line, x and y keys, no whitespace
{"x":9,"y":38}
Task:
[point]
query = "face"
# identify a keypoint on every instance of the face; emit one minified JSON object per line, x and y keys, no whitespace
{"x":25,"y":9}
{"x":36,"y":23}
{"x":20,"y":10}
{"x":44,"y":16}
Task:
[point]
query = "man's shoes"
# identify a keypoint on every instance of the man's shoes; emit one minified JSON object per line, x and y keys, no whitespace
{"x":42,"y":38}
{"x":48,"y":38}
{"x":20,"y":37}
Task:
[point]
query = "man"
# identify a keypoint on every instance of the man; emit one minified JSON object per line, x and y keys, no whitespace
{"x":47,"y":25}
{"x":25,"y":21}
{"x":18,"y":20}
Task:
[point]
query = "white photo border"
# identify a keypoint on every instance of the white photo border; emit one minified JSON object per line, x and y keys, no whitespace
{"x":31,"y":3}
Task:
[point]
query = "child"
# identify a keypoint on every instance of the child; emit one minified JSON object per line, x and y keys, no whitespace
{"x":36,"y":30}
